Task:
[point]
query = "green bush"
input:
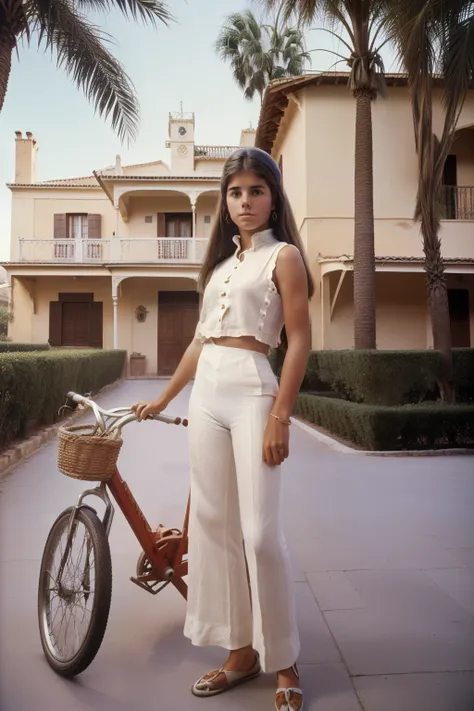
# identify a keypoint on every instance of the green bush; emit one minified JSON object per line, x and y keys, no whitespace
{"x":382,"y":428}
{"x":8,"y":347}
{"x":463,"y":361}
{"x":33,"y":386}
{"x":376,"y":377}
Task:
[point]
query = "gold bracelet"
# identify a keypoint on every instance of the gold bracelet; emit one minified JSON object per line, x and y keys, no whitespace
{"x":283,"y":422}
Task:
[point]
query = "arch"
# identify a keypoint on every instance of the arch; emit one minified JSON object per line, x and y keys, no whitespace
{"x":118,"y":279}
{"x":123,"y":195}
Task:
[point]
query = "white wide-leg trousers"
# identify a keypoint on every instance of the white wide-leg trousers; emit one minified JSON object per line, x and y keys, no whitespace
{"x":235,"y":513}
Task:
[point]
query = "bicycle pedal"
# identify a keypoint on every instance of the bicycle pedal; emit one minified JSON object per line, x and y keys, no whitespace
{"x":153,"y":588}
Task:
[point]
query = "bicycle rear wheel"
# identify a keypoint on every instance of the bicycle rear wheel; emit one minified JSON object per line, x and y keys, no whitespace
{"x":73,"y":611}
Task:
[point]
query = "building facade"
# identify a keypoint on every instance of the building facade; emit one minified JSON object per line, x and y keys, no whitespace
{"x":111,"y":260}
{"x":308,"y":125}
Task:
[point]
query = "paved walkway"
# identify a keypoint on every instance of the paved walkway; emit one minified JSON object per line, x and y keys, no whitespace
{"x":384,"y":575}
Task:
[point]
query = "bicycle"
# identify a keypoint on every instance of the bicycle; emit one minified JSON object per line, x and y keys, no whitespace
{"x":161,"y":562}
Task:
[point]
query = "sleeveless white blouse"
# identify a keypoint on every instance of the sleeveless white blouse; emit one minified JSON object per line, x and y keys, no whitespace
{"x":241,"y":298}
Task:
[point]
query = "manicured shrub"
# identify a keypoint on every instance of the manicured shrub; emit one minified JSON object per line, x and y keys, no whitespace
{"x":430,"y":425}
{"x":33,"y":386}
{"x":8,"y":347}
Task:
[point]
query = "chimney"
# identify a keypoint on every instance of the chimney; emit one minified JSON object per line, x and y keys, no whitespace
{"x":247,"y":137}
{"x":25,"y":159}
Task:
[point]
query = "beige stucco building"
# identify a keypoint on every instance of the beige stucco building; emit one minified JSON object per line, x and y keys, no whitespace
{"x":308,"y":124}
{"x":112,"y":259}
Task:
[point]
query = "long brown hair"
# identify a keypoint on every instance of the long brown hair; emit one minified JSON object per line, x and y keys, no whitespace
{"x":220,"y":246}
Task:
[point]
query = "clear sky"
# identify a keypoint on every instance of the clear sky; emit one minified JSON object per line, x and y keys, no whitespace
{"x":167,"y":66}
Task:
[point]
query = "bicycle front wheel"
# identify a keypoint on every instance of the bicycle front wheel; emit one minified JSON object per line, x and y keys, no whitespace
{"x":73,"y":610}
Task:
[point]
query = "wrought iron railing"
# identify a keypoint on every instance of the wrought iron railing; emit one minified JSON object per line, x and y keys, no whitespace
{"x":458,"y":203}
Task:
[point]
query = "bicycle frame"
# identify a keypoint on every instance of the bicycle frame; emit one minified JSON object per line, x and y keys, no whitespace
{"x":164,"y":548}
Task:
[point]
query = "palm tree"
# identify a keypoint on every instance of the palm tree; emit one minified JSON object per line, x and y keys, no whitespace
{"x":362,"y":22}
{"x":435,"y":37}
{"x":259,"y":53}
{"x":62,"y":26}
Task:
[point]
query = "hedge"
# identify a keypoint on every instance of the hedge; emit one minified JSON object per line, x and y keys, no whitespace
{"x":8,"y":347}
{"x":463,"y":361}
{"x":33,"y":386}
{"x":384,"y":377}
{"x":382,"y":428}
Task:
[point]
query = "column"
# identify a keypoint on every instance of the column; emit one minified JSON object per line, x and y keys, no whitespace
{"x":117,"y":219}
{"x":115,"y":284}
{"x":115,"y":244}
{"x":193,"y":243}
{"x":325,"y":310}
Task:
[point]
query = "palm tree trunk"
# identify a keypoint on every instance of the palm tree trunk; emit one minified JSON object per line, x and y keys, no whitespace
{"x":439,"y":312}
{"x":7,"y":45}
{"x":364,"y":248}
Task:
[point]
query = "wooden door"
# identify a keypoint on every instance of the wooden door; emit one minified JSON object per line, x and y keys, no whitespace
{"x":178,"y":314}
{"x":76,"y":320}
{"x":75,"y":324}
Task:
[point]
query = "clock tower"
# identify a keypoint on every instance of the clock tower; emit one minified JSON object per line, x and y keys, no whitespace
{"x":181,"y":142}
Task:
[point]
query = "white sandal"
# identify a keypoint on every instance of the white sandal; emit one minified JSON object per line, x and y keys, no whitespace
{"x":290,"y":700}
{"x":203,"y":686}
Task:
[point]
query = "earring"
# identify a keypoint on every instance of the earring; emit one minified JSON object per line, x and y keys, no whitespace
{"x":274,"y":215}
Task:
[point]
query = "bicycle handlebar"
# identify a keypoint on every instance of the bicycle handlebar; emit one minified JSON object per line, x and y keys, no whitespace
{"x":124,"y":414}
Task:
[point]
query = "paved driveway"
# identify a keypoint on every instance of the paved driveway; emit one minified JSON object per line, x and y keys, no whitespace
{"x":384,"y":572}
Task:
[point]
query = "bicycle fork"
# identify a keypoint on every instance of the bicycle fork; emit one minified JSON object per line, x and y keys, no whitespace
{"x":101,"y":492}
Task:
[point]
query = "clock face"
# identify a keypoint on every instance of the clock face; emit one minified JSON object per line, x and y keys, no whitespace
{"x":182,"y":131}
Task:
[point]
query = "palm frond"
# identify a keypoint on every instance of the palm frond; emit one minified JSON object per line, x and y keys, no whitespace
{"x":146,"y":10}
{"x":259,"y":52}
{"x":279,"y":73}
{"x":81,"y":52}
{"x":334,"y":34}
{"x":458,"y":55}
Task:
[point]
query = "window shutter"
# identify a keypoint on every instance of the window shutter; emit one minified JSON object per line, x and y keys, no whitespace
{"x":94,"y":226}
{"x":161,"y":224}
{"x":60,"y":226}
{"x":96,"y":324}
{"x":55,"y":323}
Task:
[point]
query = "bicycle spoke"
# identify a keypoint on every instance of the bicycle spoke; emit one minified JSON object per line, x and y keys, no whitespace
{"x":67,"y":611}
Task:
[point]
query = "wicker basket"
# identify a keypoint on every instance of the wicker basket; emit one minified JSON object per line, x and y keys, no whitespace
{"x":82,"y":455}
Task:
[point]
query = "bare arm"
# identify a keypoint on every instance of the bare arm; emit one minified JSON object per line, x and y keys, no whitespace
{"x":293,"y":287}
{"x":182,"y":375}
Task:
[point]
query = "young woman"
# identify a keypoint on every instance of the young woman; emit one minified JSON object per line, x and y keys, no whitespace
{"x":255,"y":281}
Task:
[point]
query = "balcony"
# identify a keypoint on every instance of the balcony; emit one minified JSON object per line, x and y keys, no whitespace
{"x":116,"y":250}
{"x":458,"y":203}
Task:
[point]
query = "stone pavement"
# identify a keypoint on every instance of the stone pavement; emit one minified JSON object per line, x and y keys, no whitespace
{"x":383,"y":554}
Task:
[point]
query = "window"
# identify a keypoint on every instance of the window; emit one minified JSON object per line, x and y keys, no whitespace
{"x":72,"y":229}
{"x":179,"y":224}
{"x":77,"y":226}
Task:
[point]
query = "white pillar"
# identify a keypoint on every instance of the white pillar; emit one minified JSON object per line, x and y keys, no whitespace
{"x":115,"y":285}
{"x":193,"y":206}
{"x":115,"y":300}
{"x":117,"y":220}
